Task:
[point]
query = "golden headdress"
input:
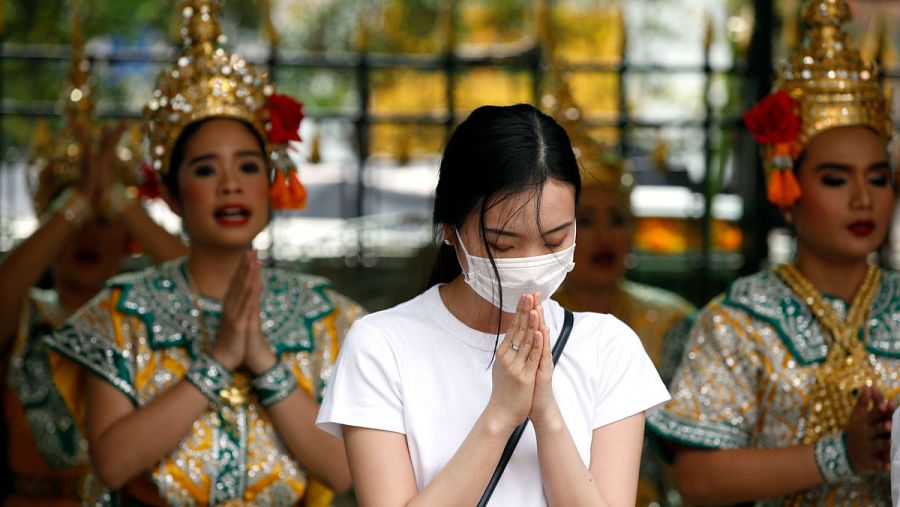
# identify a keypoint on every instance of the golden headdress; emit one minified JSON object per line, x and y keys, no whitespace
{"x":209,"y":82}
{"x":56,"y":160}
{"x":598,"y":164}
{"x":823,"y":85}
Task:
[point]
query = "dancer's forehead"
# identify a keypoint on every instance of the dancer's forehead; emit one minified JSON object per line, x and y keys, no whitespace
{"x":845,"y":149}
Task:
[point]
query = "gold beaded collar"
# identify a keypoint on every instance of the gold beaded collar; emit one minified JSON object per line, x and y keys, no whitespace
{"x":768,"y":298}
{"x":843,"y":331}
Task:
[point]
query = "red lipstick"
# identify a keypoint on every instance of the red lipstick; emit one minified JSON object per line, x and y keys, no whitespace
{"x":232,"y":215}
{"x":603,"y":259}
{"x":862,"y":228}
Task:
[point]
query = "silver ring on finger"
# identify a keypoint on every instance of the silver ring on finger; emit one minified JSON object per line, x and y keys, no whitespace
{"x":515,"y":346}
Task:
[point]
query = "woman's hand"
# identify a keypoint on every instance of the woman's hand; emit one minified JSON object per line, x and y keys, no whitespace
{"x":544,"y":409}
{"x":515,"y":365}
{"x":231,"y":343}
{"x":97,"y":165}
{"x":259,"y":357}
{"x":106,"y":154}
{"x":868,"y":433}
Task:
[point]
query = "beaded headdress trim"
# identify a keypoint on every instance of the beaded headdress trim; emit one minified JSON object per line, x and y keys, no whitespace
{"x":207,"y":82}
{"x":824,"y":84}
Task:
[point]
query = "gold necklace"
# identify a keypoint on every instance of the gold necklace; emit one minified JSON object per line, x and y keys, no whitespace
{"x":843,"y":331}
{"x":839,"y":379}
{"x":846,"y":369}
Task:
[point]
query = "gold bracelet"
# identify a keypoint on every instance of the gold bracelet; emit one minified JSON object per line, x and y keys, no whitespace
{"x":116,"y":199}
{"x":72,"y":205}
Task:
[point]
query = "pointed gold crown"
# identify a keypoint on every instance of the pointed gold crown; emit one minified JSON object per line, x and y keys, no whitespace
{"x":55,"y":160}
{"x":827,"y":78}
{"x":598,"y":164}
{"x":205,"y":82}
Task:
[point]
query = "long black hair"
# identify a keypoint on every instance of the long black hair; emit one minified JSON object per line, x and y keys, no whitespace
{"x":495,"y":153}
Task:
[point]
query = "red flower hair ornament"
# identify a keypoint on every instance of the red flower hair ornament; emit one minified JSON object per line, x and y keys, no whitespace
{"x":776,"y":127}
{"x":285,"y":115}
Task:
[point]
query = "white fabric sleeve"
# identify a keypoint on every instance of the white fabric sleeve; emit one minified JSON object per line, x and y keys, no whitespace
{"x":365,"y":386}
{"x":627,"y":381}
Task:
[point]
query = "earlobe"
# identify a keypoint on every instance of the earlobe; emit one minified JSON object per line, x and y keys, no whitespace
{"x":448,"y":235}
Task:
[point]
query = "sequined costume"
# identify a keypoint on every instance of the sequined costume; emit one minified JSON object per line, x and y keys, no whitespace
{"x":662,"y":320}
{"x":47,"y":452}
{"x":142,"y":333}
{"x":772,"y":362}
{"x":748,"y":371}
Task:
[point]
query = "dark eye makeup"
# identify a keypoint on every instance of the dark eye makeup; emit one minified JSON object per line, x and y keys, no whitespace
{"x":250,"y":167}
{"x":833,"y":181}
{"x":203,"y":170}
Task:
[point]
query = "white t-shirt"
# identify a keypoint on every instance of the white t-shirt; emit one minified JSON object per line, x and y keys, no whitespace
{"x":417,"y":370}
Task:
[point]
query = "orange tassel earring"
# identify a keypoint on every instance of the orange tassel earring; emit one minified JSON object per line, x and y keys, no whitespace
{"x":296,"y":190}
{"x":783,"y":189}
{"x":791,"y":187}
{"x":278,"y":193}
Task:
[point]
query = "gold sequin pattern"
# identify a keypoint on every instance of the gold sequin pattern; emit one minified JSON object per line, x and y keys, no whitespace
{"x":828,"y":78}
{"x":143,"y":335}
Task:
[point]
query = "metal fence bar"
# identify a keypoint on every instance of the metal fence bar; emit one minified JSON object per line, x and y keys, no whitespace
{"x":624,"y":121}
{"x":706,"y":231}
{"x":4,"y":221}
{"x":52,"y":108}
{"x":523,"y":59}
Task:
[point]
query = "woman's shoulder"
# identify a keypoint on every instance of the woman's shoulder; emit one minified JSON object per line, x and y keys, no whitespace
{"x":142,"y":293}
{"x":408,"y":327}
{"x":305,"y":295}
{"x":748,"y":297}
{"x":888,"y":296}
{"x":413,"y":312}
{"x":884,"y":321}
{"x":162,"y":275}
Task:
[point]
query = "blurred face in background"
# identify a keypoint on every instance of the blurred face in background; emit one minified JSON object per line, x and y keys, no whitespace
{"x":847,"y":195}
{"x":604,"y":237}
{"x":91,"y":257}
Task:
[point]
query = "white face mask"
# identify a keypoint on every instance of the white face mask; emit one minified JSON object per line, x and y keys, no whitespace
{"x":520,"y":275}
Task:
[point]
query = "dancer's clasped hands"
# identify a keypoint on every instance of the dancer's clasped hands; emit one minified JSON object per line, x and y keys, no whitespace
{"x":241,"y":342}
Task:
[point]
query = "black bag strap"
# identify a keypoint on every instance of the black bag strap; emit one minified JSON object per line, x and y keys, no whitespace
{"x":568,"y":320}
